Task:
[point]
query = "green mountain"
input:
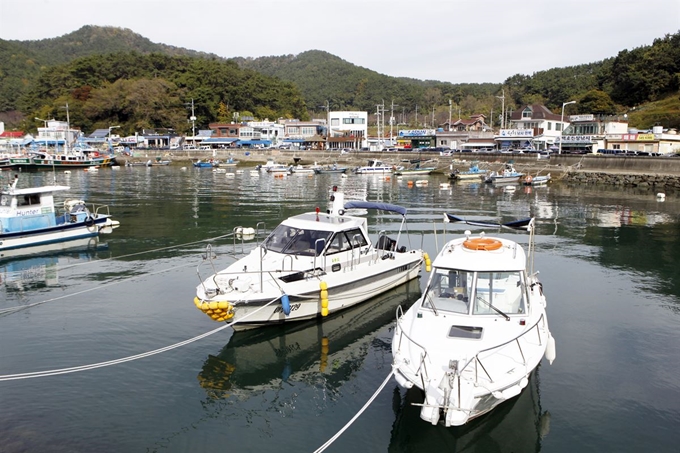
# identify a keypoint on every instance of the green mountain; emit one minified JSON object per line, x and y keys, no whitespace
{"x":36,"y":76}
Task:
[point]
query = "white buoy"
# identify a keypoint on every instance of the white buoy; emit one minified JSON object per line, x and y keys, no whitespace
{"x":445,"y":185}
{"x":183,"y":168}
{"x":550,"y":349}
{"x":115,"y":167}
{"x":661,"y":196}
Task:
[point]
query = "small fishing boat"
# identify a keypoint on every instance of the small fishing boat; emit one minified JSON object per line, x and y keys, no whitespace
{"x":28,"y":218}
{"x":474,"y":173}
{"x":538,"y":180}
{"x":310,"y":266}
{"x":374,"y":167}
{"x":330,"y":169}
{"x":66,"y":160}
{"x":206,"y":163}
{"x":416,"y":170}
{"x":303,"y":170}
{"x":479,"y":330}
{"x":507,"y":175}
{"x":230,"y":162}
{"x":272,"y":167}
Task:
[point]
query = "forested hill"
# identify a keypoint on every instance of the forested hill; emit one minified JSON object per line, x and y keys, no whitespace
{"x":22,"y":62}
{"x":37,"y":76}
{"x":323,"y":77}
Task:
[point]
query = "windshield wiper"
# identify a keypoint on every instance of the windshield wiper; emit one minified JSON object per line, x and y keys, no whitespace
{"x":507,"y":318}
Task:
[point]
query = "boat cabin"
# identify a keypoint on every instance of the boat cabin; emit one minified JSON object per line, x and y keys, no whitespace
{"x":477,"y":293}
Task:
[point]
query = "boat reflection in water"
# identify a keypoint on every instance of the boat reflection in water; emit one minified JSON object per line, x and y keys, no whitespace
{"x":40,"y":268}
{"x":263,"y":359}
{"x":518,"y":425}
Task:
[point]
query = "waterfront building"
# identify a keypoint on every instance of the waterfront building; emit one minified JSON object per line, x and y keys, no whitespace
{"x":269,"y":130}
{"x":656,"y":141}
{"x":234,"y":135}
{"x":467,"y":133}
{"x":587,"y":133}
{"x":533,"y":126}
{"x":416,"y":138}
{"x":347,"y":129}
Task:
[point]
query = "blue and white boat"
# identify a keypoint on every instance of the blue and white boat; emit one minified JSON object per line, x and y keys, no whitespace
{"x":474,"y":173}
{"x":28,"y":218}
{"x":507,"y":175}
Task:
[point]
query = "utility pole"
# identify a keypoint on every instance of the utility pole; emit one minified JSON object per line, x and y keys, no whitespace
{"x":502,"y":98}
{"x":450,"y":107}
{"x":392,"y":121}
{"x":416,"y":115}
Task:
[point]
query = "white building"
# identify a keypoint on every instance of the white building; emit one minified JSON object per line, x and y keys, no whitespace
{"x":347,"y":130}
{"x":534,"y":126}
{"x":587,"y":133}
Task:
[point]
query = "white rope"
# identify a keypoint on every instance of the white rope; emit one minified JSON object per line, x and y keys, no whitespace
{"x":104,"y":285}
{"x":38,"y":374}
{"x":358,"y":414}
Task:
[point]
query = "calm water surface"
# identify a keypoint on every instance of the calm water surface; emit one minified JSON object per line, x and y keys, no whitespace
{"x":608,"y":261}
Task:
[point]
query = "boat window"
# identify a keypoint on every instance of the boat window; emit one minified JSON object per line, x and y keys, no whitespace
{"x":449,"y":290}
{"x":499,"y":291}
{"x":31,"y":199}
{"x":296,"y":241}
{"x":346,"y":240}
{"x":4,"y":201}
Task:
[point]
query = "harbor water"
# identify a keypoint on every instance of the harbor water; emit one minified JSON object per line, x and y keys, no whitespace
{"x":608,"y":261}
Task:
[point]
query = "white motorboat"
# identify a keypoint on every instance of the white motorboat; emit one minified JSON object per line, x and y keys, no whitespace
{"x":311,"y":265}
{"x":374,"y":167}
{"x":479,"y":330}
{"x":28,"y":218}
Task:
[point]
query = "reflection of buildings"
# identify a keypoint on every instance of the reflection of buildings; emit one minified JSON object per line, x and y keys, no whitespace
{"x":31,"y":272}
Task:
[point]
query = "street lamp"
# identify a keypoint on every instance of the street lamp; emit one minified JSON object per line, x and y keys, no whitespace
{"x":44,"y":121}
{"x":562,"y":123}
{"x":109,"y":136}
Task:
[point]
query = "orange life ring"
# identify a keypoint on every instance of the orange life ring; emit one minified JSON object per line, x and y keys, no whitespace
{"x":528,"y":179}
{"x":487,"y":244}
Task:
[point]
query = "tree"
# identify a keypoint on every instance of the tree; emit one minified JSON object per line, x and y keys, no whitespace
{"x":596,"y":102}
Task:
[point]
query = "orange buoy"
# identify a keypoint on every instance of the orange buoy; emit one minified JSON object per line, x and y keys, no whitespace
{"x":528,"y":179}
{"x":486,"y":244}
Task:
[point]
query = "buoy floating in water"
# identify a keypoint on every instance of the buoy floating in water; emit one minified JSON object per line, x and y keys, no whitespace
{"x":661,"y":196}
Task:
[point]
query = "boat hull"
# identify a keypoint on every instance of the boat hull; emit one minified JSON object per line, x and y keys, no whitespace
{"x":51,"y":235}
{"x":263,"y":306}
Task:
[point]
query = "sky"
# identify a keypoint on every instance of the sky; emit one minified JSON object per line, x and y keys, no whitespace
{"x":447,"y":40}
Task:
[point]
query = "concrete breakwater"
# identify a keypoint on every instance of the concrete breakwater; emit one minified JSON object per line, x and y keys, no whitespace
{"x":657,"y":182}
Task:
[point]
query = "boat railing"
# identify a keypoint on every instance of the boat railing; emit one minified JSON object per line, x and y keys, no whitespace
{"x":422,"y":365}
{"x":478,"y":361}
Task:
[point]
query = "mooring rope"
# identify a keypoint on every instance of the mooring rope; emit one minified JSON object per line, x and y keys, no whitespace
{"x":110,"y":283}
{"x":92,"y":366}
{"x":356,"y":416}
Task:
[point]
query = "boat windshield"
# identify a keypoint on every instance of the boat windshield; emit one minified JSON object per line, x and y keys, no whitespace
{"x":296,"y":241}
{"x":498,"y":292}
{"x":491,"y":293}
{"x":449,"y":290}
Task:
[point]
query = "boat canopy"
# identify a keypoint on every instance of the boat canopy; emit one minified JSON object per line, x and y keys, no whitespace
{"x":372,"y":205}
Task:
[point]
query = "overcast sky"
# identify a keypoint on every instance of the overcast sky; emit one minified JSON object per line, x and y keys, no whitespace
{"x":448,"y":40}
